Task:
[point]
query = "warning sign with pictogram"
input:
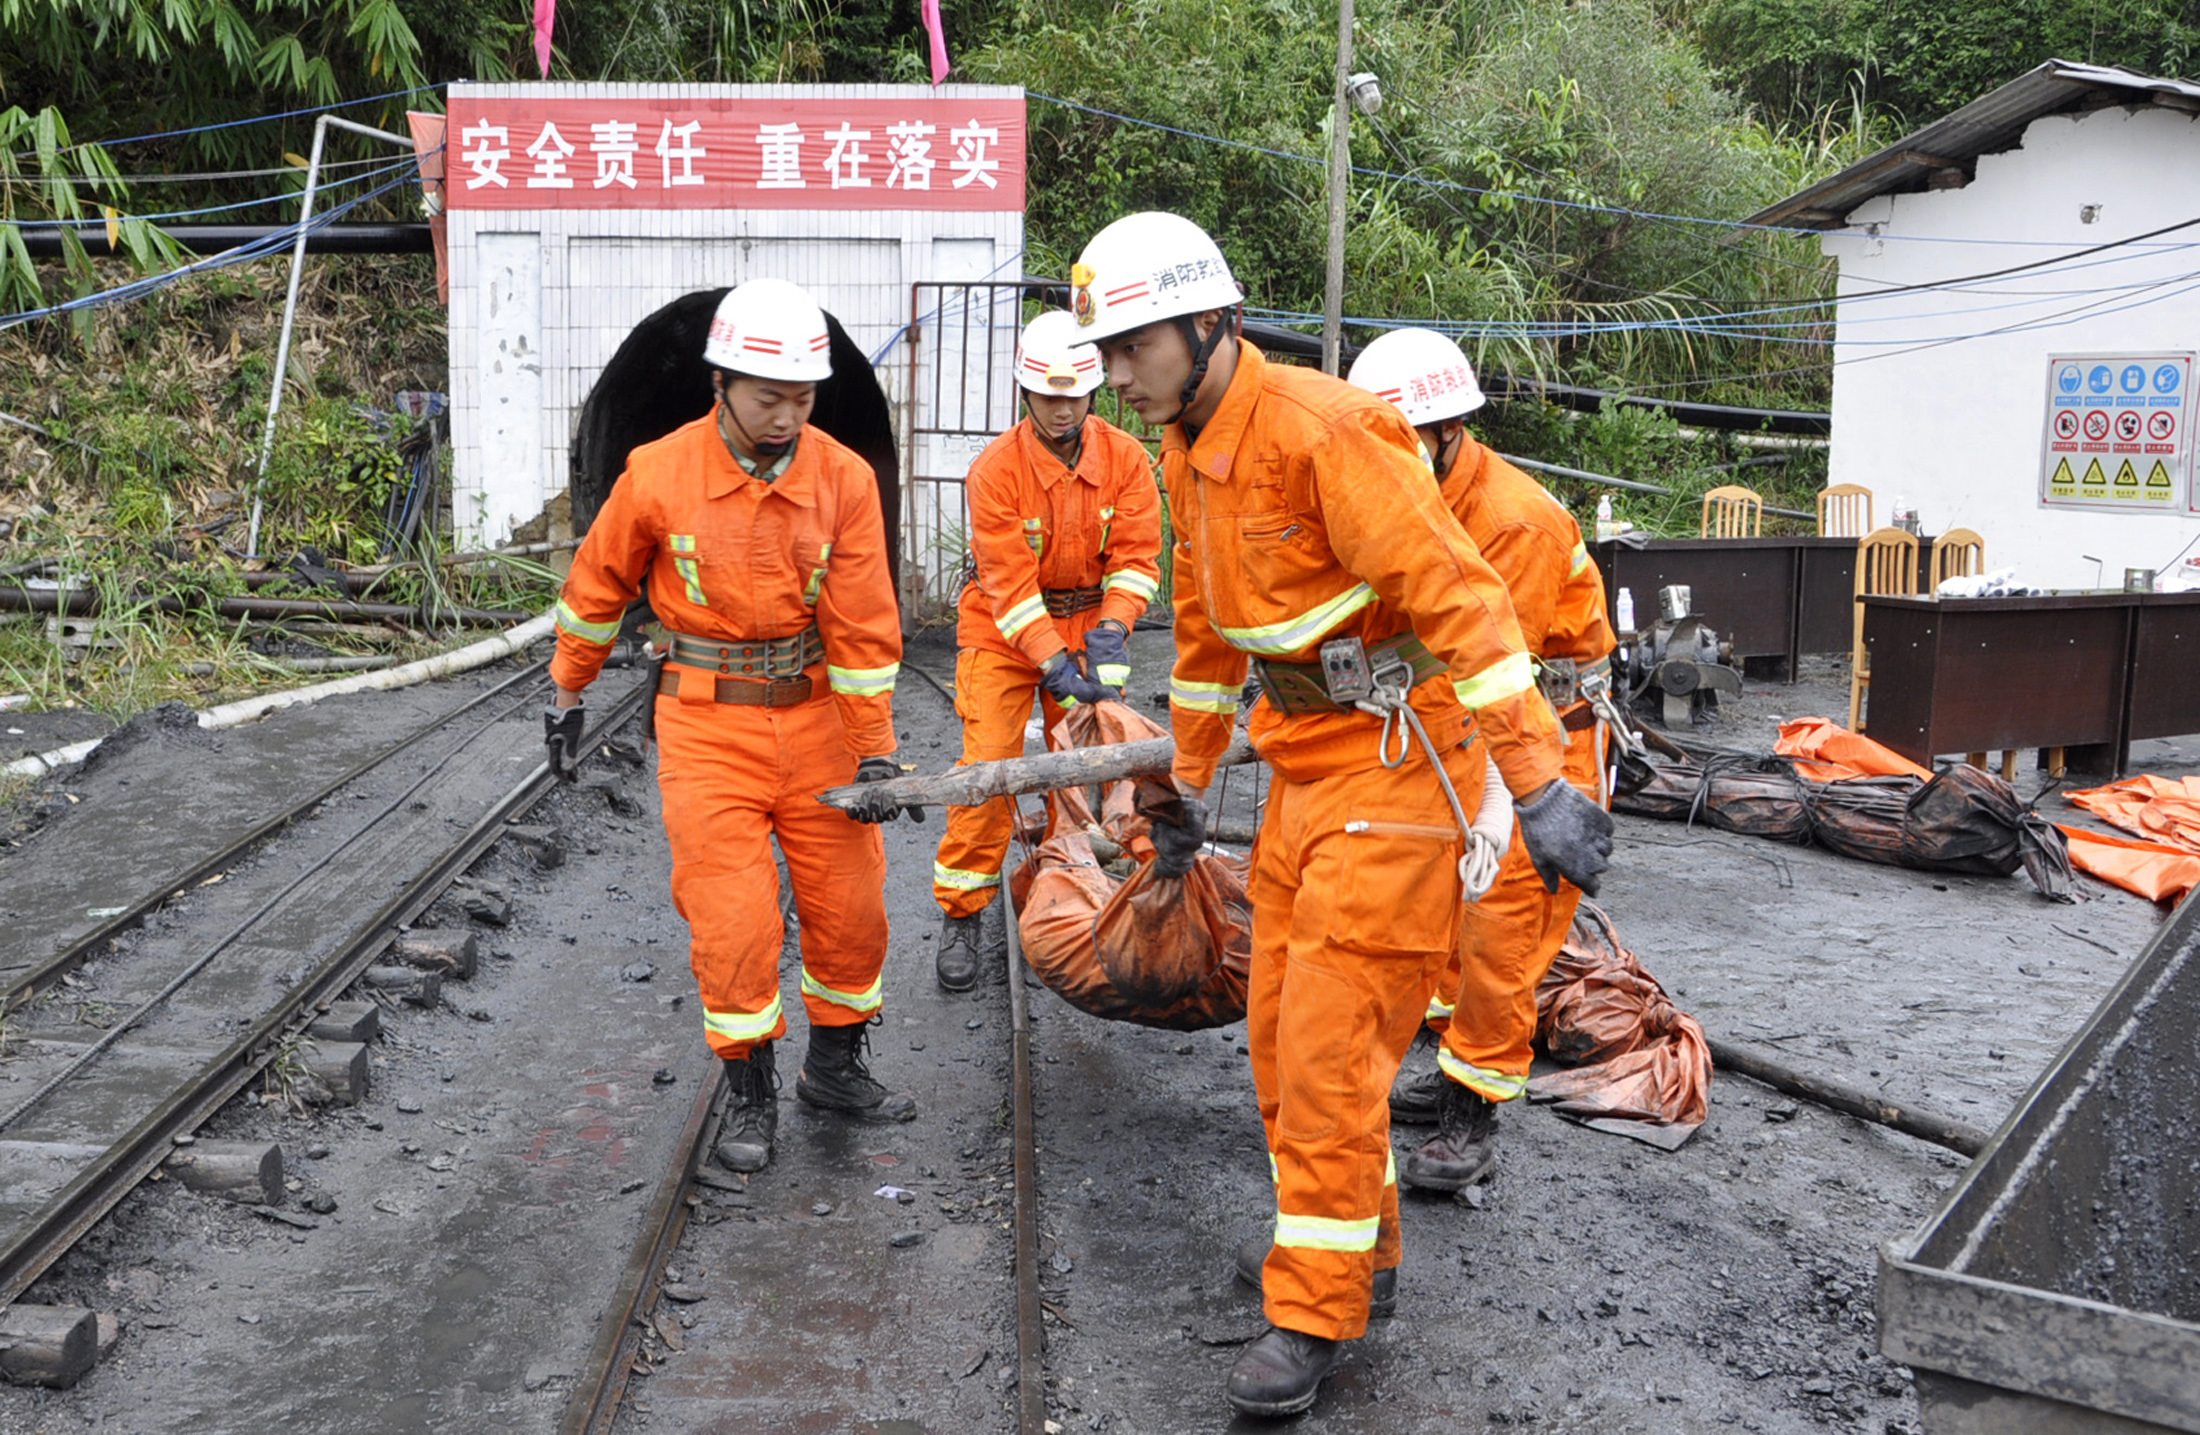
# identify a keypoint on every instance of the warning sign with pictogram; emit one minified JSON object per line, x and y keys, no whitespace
{"x":2116,"y":435}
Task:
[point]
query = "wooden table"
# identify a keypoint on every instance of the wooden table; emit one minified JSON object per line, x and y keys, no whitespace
{"x":2086,"y":672}
{"x":1773,"y":598}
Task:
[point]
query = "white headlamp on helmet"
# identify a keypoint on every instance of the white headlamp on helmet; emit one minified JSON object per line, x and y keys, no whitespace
{"x":1053,"y":358}
{"x":1144,"y":268}
{"x":770,"y":329}
{"x":1419,"y":372}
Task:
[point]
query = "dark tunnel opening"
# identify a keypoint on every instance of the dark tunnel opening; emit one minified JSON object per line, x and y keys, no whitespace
{"x":658,"y":381}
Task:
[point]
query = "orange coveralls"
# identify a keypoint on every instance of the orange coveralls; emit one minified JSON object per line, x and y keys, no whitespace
{"x":1036,"y":526}
{"x":729,"y":556}
{"x":1304,"y":512}
{"x":1484,"y":1005}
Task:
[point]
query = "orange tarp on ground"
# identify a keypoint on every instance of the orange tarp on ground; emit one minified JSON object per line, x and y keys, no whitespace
{"x":2164,"y":863}
{"x":1825,"y":751}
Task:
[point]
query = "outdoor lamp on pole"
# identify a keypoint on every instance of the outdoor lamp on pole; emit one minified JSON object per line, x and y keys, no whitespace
{"x":1361,"y":91}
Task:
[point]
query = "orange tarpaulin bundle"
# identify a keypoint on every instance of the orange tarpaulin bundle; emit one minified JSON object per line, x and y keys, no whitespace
{"x":1158,"y":951}
{"x":1640,"y":1066}
{"x":2164,"y":863}
{"x":1825,"y":751}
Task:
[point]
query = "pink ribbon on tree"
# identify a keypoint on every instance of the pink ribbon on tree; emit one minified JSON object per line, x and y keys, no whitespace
{"x":546,"y":12}
{"x":938,"y":33}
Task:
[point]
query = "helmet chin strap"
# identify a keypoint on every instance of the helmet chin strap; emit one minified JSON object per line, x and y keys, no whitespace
{"x":757,"y":445}
{"x":1202,"y":351}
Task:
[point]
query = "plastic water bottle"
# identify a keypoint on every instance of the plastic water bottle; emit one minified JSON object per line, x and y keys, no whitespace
{"x":1604,"y":518}
{"x":1624,"y":609}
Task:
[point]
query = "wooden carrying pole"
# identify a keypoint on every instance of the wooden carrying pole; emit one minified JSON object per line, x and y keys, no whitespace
{"x":979,"y":782}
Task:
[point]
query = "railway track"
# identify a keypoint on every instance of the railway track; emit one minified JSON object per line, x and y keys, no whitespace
{"x":227,"y":980}
{"x":604,"y":1385}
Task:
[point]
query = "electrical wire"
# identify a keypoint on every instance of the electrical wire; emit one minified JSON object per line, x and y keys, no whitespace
{"x":289,"y":197}
{"x":234,"y":124}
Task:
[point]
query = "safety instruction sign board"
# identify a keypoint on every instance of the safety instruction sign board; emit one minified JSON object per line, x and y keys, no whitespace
{"x":2119,"y":433}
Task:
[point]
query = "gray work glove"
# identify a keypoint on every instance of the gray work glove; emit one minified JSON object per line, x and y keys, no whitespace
{"x":561,"y":735}
{"x":1178,"y":828}
{"x":1067,"y":684}
{"x":879,"y":809}
{"x":1108,"y":654}
{"x":1567,"y":835}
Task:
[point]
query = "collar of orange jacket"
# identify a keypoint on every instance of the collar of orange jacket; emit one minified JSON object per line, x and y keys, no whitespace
{"x":1468,"y":465}
{"x":1218,"y":441}
{"x":722,"y":475}
{"x":1041,"y":459}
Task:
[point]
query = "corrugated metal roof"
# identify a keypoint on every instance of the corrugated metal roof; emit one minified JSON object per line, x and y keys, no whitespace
{"x":1988,"y":125}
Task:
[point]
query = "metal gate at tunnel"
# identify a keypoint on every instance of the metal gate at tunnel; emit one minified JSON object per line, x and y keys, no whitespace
{"x":961,"y":395}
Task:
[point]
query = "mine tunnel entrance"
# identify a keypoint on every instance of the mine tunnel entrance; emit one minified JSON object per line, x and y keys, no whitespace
{"x":658,"y":381}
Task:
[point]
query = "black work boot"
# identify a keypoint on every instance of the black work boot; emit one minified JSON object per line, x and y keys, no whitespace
{"x":1252,"y":1254}
{"x":834,"y":1076}
{"x":1281,"y":1372}
{"x":752,"y":1116}
{"x":956,"y":962}
{"x":1464,"y":1147}
{"x":1414,"y":1099}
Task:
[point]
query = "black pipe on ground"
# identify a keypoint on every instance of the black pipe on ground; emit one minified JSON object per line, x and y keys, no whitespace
{"x":84,"y":602}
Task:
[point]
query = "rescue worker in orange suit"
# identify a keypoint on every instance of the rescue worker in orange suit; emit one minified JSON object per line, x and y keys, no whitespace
{"x":764,"y":549}
{"x":1307,"y":528}
{"x":1483,"y":1007}
{"x":1065,"y":534}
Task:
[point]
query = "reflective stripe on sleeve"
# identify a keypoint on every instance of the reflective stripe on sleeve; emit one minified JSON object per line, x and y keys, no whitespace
{"x":1131,"y":581}
{"x":1325,"y":1233}
{"x":1022,"y":616}
{"x":741,"y":1025}
{"x":1581,"y":559}
{"x":1494,"y":1085}
{"x":870,"y":999}
{"x":571,"y":622}
{"x":863,"y":682}
{"x":962,"y":879}
{"x":1508,"y":677}
{"x":1292,"y":634}
{"x":1204,"y":697}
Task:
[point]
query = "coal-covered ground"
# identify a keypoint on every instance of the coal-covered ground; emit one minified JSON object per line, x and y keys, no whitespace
{"x":1596,"y":1285}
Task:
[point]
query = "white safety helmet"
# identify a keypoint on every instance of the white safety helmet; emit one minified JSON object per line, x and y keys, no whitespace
{"x":1052,"y":358}
{"x":770,"y":329}
{"x":1419,"y":372}
{"x":1147,"y":267}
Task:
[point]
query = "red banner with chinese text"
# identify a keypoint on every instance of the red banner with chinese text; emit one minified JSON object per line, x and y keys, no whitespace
{"x":735,"y":153}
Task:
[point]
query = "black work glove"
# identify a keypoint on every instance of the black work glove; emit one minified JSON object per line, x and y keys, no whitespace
{"x":1067,"y":684}
{"x":561,"y":734}
{"x":1178,"y":829}
{"x":879,"y":809}
{"x":1567,"y":835}
{"x":1108,"y":655}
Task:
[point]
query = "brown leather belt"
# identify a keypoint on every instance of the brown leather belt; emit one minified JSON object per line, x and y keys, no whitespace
{"x":1061,"y":602}
{"x":751,"y":672}
{"x":1301,"y":688}
{"x":1578,"y":718}
{"x":770,"y":693}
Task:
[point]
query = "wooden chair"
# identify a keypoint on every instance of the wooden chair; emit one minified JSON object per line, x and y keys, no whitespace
{"x":1886,"y":565}
{"x":1958,"y":553}
{"x":1845,"y":511}
{"x":1732,"y":511}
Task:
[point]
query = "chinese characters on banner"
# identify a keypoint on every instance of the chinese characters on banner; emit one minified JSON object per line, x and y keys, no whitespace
{"x":918,"y":153}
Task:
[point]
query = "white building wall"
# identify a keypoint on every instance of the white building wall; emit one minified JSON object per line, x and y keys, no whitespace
{"x":540,"y":300}
{"x":1956,"y":429}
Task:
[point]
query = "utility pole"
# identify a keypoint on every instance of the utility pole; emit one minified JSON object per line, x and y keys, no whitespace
{"x":1340,"y":169}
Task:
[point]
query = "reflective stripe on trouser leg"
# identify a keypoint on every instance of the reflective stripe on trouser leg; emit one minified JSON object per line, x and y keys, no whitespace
{"x":993,"y":698}
{"x":1507,"y":942}
{"x":718,"y":776}
{"x":1349,"y":932}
